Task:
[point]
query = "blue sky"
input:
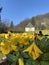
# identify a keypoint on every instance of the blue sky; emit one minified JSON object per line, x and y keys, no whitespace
{"x":18,"y":10}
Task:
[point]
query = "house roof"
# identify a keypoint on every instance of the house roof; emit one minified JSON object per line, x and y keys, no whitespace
{"x":29,"y":25}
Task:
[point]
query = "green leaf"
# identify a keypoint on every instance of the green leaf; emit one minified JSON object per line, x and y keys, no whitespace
{"x":35,"y":62}
{"x":43,"y":44}
{"x":32,"y":62}
{"x":14,"y":63}
{"x":45,"y":56}
{"x":24,"y":55}
{"x":11,"y":57}
{"x":28,"y":62}
{"x":44,"y":62}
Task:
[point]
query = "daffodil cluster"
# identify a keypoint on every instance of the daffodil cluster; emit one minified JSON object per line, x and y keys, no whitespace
{"x":22,"y":46}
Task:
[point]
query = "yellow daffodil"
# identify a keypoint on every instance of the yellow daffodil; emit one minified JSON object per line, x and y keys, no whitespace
{"x":7,"y":36}
{"x":2,"y":43}
{"x":40,"y":37}
{"x":5,"y":49}
{"x":34,"y":51}
{"x":13,"y":47}
{"x":21,"y":62}
{"x":31,"y":36}
{"x":9,"y":32}
{"x":35,"y":55}
{"x":25,"y":42}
